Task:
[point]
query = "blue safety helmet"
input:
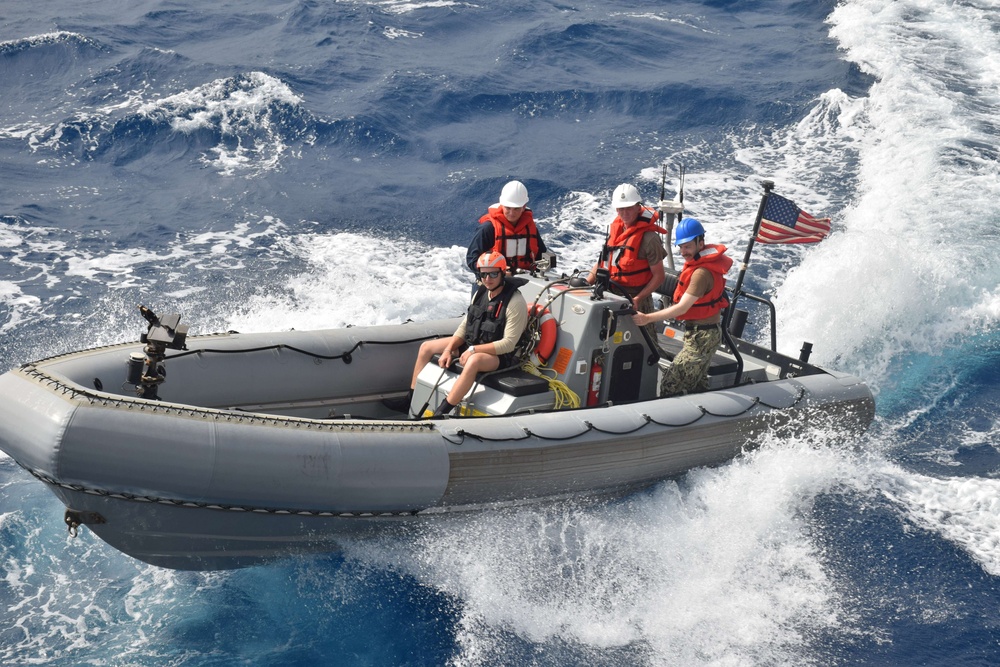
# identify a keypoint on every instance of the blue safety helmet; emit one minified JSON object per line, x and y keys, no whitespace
{"x":688,"y":229}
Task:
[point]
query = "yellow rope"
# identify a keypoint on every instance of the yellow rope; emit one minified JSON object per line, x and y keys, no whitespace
{"x":565,"y":398}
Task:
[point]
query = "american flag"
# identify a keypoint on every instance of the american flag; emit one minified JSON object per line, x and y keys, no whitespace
{"x":784,"y":222}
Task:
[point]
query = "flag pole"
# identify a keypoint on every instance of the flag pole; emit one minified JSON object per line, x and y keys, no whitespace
{"x":666,"y":219}
{"x":768,"y":186}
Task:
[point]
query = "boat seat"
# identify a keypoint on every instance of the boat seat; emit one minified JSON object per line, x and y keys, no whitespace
{"x":512,"y":381}
{"x":516,"y":382}
{"x":721,"y":364}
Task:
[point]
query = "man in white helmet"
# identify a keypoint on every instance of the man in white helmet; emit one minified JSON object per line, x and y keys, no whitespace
{"x":634,"y":253}
{"x":509,"y":229}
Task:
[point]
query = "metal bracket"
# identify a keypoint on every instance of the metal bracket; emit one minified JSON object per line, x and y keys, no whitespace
{"x":76,"y":518}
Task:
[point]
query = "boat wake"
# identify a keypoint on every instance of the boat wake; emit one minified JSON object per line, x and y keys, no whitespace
{"x":723,"y":562}
{"x":734,"y":565}
{"x":739,"y":565}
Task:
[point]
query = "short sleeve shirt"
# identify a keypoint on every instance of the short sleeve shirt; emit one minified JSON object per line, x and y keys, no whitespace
{"x":651,"y":248}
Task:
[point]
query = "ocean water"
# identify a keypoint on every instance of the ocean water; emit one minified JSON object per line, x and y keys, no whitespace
{"x":303,"y":164}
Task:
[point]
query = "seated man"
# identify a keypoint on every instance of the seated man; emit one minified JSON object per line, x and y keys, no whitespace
{"x":491,"y":329}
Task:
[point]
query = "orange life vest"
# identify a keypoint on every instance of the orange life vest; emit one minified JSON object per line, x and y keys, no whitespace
{"x":713,"y":258}
{"x":623,"y":261}
{"x":518,"y":243}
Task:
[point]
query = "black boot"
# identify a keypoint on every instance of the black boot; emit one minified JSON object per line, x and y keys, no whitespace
{"x":400,"y":404}
{"x":444,"y":409}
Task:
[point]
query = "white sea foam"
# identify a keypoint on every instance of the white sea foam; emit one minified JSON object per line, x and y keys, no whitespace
{"x":55,"y":270}
{"x":726,"y":567}
{"x":407,"y":6}
{"x":720,"y":569}
{"x":912,"y":264}
{"x":57,"y":37}
{"x":985,"y":432}
{"x":963,"y":510}
{"x":218,"y":102}
{"x":396,"y":33}
{"x":240,"y":109}
{"x":19,"y":306}
{"x":247,"y":111}
{"x":394,"y":287}
{"x":688,"y":21}
{"x":119,"y":265}
{"x":576,"y":230}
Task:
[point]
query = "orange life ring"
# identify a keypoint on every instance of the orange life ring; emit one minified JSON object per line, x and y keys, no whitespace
{"x":548,"y":332}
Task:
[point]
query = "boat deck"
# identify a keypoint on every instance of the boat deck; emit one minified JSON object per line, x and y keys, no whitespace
{"x":722,"y":371}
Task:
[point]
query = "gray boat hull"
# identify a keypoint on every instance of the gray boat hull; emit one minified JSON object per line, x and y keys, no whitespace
{"x":265,"y":445}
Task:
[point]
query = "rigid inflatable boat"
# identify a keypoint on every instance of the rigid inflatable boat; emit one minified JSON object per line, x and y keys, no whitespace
{"x":226,"y":450}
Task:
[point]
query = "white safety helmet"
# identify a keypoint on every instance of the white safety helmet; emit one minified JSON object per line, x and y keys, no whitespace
{"x":514,"y":195}
{"x":626,"y":195}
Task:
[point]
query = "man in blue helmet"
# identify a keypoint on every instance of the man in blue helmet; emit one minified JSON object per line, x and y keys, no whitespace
{"x":698,"y":302}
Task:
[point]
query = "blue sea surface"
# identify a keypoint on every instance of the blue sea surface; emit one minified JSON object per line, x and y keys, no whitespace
{"x":264,"y":166}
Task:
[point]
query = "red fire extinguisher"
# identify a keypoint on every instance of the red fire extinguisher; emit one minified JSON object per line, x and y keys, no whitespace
{"x":594,"y":390}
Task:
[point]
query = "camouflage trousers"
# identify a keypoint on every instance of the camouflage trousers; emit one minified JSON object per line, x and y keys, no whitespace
{"x":689,"y":372}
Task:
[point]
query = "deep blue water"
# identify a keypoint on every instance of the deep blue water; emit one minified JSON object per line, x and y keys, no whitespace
{"x":252,"y":164}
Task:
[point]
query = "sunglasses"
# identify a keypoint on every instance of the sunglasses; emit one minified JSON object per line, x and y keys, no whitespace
{"x":489,"y":274}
